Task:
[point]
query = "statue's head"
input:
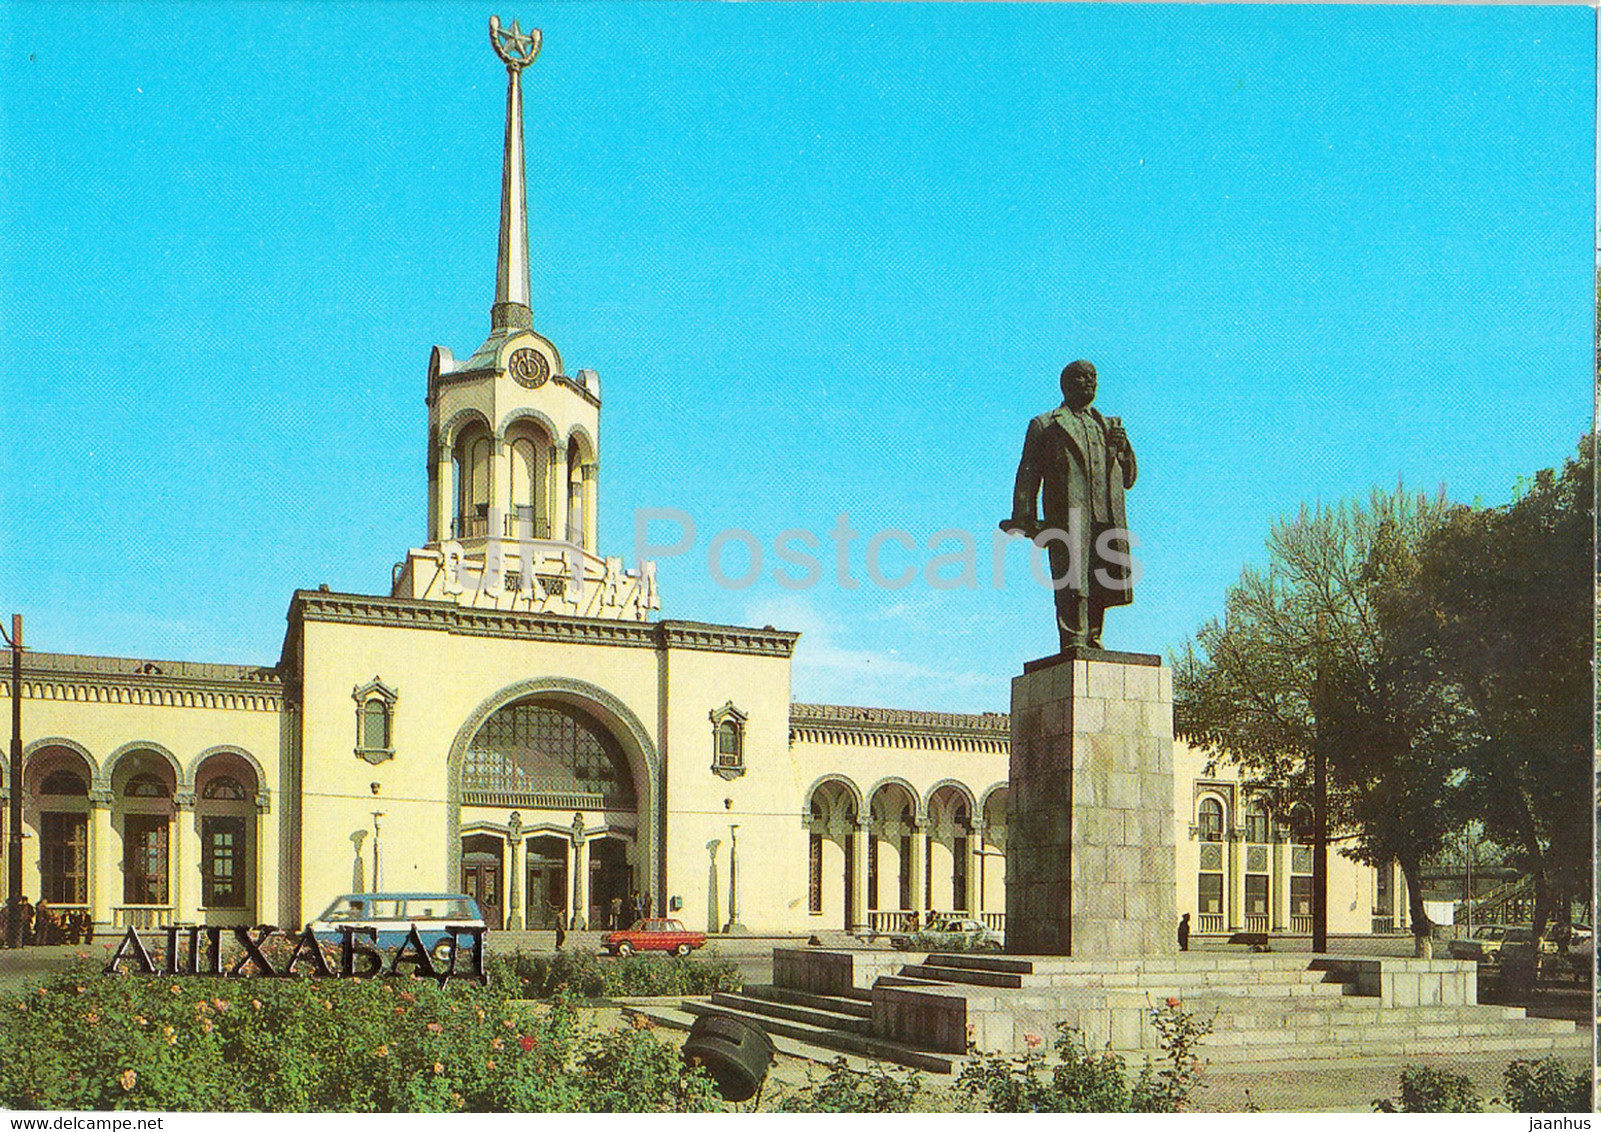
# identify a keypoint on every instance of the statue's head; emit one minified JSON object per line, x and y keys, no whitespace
{"x":1078,"y":384}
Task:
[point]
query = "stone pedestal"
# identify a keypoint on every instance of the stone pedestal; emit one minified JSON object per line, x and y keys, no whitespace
{"x":1089,"y":849}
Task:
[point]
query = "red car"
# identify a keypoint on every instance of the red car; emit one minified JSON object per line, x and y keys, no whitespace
{"x":654,"y":935}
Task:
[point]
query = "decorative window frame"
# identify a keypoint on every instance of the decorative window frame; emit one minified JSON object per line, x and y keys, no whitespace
{"x":374,"y":689}
{"x":728,"y":713}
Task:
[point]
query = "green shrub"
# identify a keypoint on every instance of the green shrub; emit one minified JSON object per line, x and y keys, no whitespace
{"x":1546,"y":1086}
{"x":1086,"y":1080}
{"x":86,"y":1041}
{"x":588,"y":975}
{"x":1433,"y":1090}
{"x":876,"y":1089}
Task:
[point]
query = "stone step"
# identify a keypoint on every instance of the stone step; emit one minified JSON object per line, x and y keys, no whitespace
{"x":828,"y":1019}
{"x":909,"y":981}
{"x":1349,"y":1011}
{"x":982,"y":962}
{"x":1526,"y":1045}
{"x":966,"y":975}
{"x":860,"y":1007}
{"x":840,"y":1040}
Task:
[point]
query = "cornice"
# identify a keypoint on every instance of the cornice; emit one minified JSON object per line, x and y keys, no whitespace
{"x":489,"y":373}
{"x":160,"y":683}
{"x":447,"y":617}
{"x":885,"y":727}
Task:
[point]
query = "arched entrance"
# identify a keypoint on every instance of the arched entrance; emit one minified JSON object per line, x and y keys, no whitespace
{"x":563,"y":785}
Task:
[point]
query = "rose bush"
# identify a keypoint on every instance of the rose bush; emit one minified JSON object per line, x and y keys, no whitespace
{"x":82,"y":1040}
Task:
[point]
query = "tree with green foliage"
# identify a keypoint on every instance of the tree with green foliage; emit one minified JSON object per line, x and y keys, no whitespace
{"x":1500,"y":611}
{"x":1302,"y":657}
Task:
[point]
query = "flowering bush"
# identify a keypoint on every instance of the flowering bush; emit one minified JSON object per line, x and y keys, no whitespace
{"x":85,"y":1041}
{"x":1086,"y":1080}
{"x":586,"y":974}
{"x":875,"y":1089}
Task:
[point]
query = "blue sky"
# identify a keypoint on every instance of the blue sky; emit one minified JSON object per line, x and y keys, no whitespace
{"x":825,"y":258}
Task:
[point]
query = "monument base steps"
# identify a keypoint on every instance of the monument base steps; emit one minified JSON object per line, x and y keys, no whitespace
{"x":1266,"y":1010}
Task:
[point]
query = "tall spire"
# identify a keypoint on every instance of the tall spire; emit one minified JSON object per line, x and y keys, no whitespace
{"x":512,"y":310}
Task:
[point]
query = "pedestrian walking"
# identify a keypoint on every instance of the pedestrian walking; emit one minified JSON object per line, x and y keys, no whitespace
{"x":561,"y":930}
{"x":1184,"y":932}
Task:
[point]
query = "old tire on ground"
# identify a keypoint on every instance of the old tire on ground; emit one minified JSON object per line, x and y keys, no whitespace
{"x":736,"y":1052}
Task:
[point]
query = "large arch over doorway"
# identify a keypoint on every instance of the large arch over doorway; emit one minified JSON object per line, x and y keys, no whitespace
{"x":612,"y":714}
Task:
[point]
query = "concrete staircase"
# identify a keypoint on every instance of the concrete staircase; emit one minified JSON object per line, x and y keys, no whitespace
{"x":818,"y":1027}
{"x":1271,"y":1010}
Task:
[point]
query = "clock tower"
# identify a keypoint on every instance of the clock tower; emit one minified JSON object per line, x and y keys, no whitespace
{"x":514,"y":442}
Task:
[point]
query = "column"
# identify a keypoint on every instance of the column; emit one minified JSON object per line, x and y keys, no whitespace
{"x":919,"y":869}
{"x":185,"y":853}
{"x":591,"y":492}
{"x":104,"y":892}
{"x":263,"y":871}
{"x":857,"y":915}
{"x":1279,"y":884}
{"x":442,"y":493}
{"x":1235,"y":880}
{"x":516,"y":880}
{"x":580,"y":919}
{"x":975,"y":871}
{"x":558,"y":501}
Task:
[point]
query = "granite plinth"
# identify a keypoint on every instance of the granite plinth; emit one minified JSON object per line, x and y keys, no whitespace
{"x":1090,"y":853}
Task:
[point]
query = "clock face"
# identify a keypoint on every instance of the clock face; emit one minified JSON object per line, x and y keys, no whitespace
{"x":529,"y":368}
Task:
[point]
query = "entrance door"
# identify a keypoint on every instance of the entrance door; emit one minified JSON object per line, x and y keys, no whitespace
{"x":609,"y":877}
{"x":547,"y":881}
{"x":480,"y":876}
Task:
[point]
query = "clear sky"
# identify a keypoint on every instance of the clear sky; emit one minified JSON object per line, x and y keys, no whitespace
{"x":824,"y":257}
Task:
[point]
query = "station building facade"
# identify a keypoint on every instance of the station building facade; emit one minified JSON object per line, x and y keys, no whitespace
{"x":513,"y":719}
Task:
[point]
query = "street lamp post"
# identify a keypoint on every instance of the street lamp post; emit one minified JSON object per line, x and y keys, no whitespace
{"x":14,"y":846}
{"x":734,"y":926}
{"x":376,"y":885}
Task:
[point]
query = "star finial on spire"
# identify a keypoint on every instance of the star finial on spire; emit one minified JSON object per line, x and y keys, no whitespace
{"x":515,"y":49}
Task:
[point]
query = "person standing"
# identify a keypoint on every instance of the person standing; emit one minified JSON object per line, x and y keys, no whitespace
{"x":1184,"y":932}
{"x":616,"y":913}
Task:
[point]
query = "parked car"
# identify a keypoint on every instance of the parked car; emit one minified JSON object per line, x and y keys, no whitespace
{"x":1483,"y":946}
{"x":955,"y":933}
{"x":394,"y":914}
{"x":654,"y":935}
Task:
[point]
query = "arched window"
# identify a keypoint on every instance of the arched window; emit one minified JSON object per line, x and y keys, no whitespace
{"x":375,"y":720}
{"x":145,"y":786}
{"x":728,"y":741}
{"x":375,"y":725}
{"x":1256,"y":823}
{"x":472,"y":484}
{"x":64,"y":783}
{"x":546,"y":749}
{"x":1211,"y":819}
{"x":1299,"y":821}
{"x":223,"y":788}
{"x":529,"y":516}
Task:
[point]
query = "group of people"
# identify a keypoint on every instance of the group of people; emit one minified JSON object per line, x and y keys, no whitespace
{"x":42,"y":926}
{"x":637,"y":907}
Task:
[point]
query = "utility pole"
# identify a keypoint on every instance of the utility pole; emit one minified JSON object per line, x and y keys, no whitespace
{"x":1320,"y":803}
{"x":14,"y":842}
